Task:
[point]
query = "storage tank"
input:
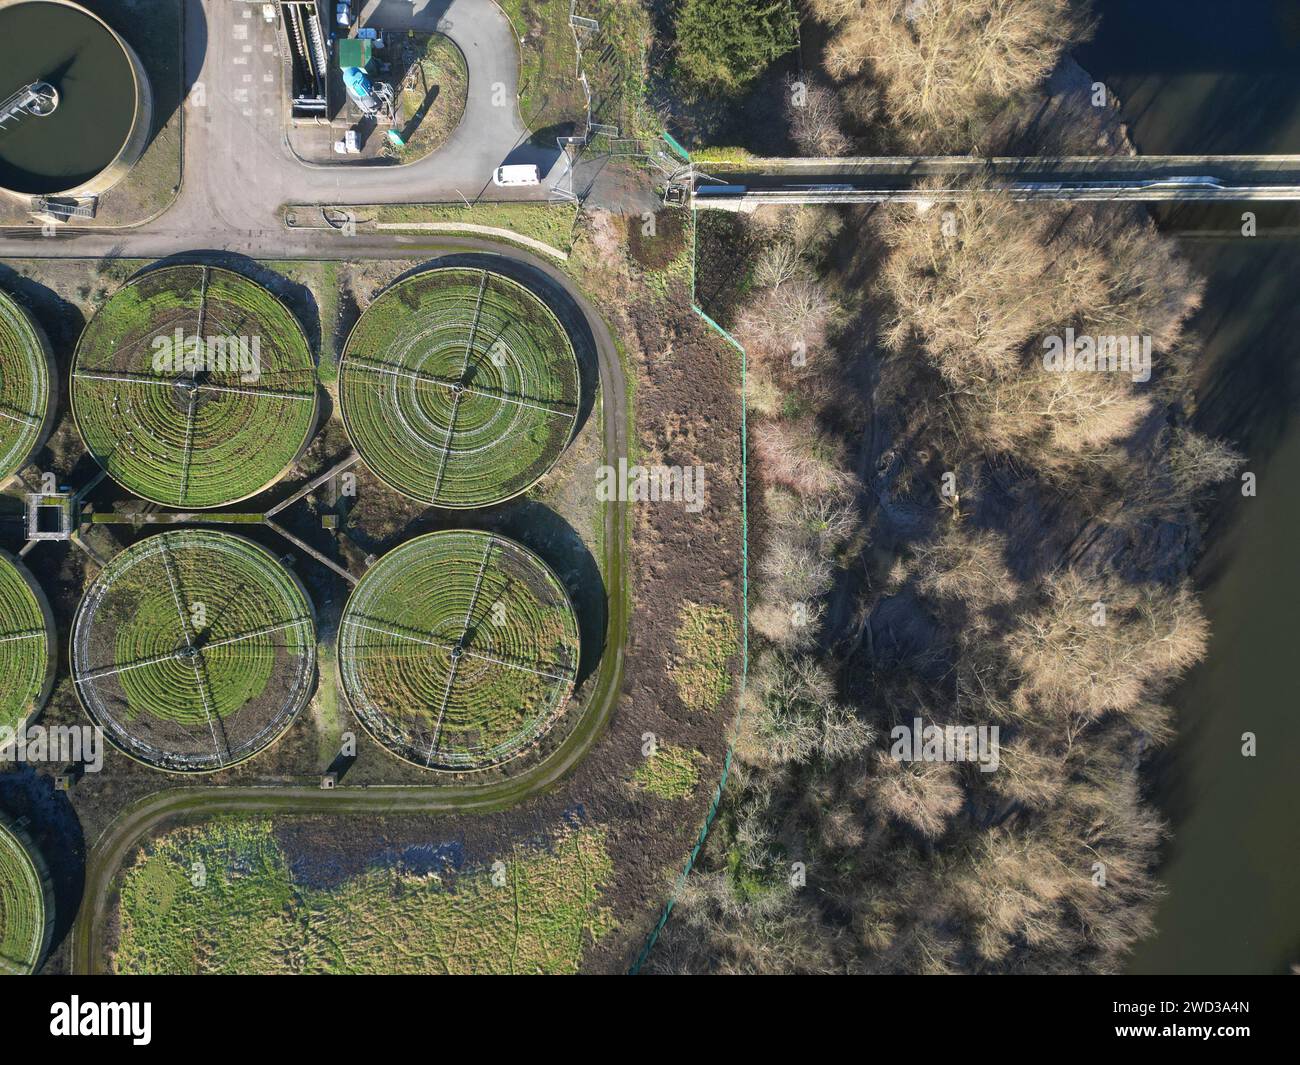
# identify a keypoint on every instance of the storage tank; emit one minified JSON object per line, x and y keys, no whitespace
{"x":75,"y":105}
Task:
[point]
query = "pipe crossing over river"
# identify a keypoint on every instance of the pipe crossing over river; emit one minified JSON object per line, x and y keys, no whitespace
{"x":745,"y":184}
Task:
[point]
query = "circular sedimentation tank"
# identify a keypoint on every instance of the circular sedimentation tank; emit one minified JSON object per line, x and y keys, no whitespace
{"x":194,"y":387}
{"x":26,"y":902}
{"x":459,"y":387}
{"x":27,"y":647}
{"x":458,"y":650}
{"x":26,"y":371}
{"x":78,"y":100}
{"x":194,"y":650}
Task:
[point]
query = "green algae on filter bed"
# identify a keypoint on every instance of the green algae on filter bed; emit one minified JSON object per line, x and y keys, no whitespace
{"x":194,"y":387}
{"x":194,"y":649}
{"x":458,"y":650}
{"x":24,"y":386}
{"x":250,"y":916}
{"x":26,"y":646}
{"x":459,"y":387}
{"x":25,"y":905}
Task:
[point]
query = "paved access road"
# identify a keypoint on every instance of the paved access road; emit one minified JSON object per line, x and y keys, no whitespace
{"x":239,"y":169}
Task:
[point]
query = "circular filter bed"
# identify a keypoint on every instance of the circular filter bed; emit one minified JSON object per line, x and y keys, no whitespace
{"x":26,"y":646}
{"x":194,"y":387}
{"x":24,"y":386}
{"x":459,"y":387}
{"x":458,"y":650}
{"x":26,"y":904}
{"x":194,"y":650}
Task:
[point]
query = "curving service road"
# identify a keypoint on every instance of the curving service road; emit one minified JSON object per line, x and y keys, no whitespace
{"x":238,"y":167}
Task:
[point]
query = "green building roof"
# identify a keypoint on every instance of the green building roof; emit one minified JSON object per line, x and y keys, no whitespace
{"x":354,"y":52}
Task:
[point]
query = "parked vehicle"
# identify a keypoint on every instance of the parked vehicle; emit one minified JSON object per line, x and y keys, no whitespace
{"x":518,"y":174}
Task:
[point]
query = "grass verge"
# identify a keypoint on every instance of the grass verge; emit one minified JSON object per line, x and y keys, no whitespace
{"x":707,"y":638}
{"x":221,"y":897}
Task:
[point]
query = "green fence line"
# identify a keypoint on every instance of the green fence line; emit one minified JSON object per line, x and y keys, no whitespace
{"x":672,"y":143}
{"x":744,"y":637}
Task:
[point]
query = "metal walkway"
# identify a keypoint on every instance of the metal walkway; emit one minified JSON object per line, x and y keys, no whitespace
{"x":746,"y":184}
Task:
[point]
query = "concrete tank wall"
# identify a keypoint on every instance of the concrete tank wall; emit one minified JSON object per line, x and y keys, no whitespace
{"x":141,"y":126}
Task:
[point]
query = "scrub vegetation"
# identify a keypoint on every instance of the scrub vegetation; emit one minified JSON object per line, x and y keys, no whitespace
{"x":222,"y":897}
{"x":431,"y":101}
{"x":549,"y":95}
{"x":946,"y":530}
{"x":669,"y":773}
{"x":708,"y":638}
{"x":721,"y":46}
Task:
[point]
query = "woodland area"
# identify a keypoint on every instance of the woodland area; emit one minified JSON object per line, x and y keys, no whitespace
{"x":946,"y":528}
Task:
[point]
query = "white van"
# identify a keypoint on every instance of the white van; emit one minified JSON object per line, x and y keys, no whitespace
{"x":517,"y":175}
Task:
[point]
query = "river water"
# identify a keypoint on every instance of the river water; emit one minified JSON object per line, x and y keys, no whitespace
{"x":1203,"y":76}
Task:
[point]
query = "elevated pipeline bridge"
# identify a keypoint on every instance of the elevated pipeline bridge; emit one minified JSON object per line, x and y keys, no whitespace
{"x":745,"y":184}
{"x":40,"y":98}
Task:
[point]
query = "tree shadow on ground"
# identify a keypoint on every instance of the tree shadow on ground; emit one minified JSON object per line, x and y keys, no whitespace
{"x":50,"y":820}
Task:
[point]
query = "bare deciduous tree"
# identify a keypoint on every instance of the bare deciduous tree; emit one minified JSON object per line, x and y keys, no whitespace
{"x":984,"y":287}
{"x":923,"y":795}
{"x":816,"y":116}
{"x":1101,"y":644}
{"x":802,"y":458}
{"x":792,"y":714}
{"x":938,"y":62}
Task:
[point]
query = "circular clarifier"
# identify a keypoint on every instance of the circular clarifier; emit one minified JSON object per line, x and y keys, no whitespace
{"x":26,"y":370}
{"x":194,"y":649}
{"x":27,"y":646}
{"x":194,"y":387}
{"x":459,"y":387}
{"x":74,"y":100}
{"x":26,"y":902}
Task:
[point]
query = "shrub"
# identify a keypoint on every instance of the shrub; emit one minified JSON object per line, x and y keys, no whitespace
{"x":722,"y":46}
{"x":662,"y":246}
